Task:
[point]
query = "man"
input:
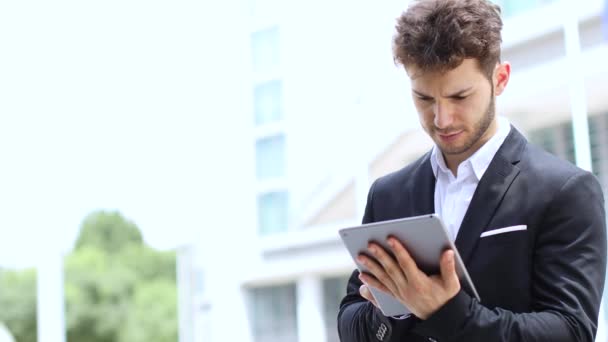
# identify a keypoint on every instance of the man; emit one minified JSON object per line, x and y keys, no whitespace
{"x":529,"y":227}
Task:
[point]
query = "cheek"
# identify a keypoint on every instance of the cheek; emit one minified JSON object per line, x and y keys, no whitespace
{"x":426,"y":118}
{"x":477,"y":110}
{"x":480,"y":103}
{"x":468,"y":111}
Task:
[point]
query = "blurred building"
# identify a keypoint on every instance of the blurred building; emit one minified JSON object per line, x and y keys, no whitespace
{"x":325,"y":112}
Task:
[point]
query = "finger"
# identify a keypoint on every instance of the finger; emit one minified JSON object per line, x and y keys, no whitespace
{"x":375,"y":269}
{"x":367,"y":294}
{"x":389,"y":264}
{"x":370,"y":280}
{"x":448,"y":271}
{"x":405,"y":260}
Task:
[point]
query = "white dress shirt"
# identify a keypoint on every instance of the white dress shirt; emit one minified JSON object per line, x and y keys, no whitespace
{"x":453,"y":194}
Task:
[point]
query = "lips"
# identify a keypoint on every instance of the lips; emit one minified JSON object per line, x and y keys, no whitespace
{"x":450,"y":136}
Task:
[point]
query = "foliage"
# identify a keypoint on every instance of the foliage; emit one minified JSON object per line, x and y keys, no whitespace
{"x":18,"y":303}
{"x":108,"y":231}
{"x":154,"y":307}
{"x":117,"y":288}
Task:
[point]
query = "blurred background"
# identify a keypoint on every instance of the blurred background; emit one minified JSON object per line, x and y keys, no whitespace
{"x":178,"y":170}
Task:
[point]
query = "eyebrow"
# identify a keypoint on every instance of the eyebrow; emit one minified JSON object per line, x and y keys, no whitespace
{"x":455,"y":94}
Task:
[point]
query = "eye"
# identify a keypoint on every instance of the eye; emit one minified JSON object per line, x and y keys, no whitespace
{"x":425,"y":98}
{"x":459,"y":98}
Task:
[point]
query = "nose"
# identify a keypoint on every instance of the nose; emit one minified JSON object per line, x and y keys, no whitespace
{"x":443,"y":115}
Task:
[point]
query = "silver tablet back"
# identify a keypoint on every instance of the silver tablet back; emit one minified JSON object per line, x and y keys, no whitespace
{"x":424,"y":237}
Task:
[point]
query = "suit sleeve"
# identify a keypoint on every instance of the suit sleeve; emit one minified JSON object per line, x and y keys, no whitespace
{"x":359,"y":320}
{"x":568,"y":279}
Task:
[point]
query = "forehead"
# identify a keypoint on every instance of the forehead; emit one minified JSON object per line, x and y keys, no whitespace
{"x":465,"y":74}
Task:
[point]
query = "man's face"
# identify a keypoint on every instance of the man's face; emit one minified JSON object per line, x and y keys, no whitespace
{"x":456,"y":107}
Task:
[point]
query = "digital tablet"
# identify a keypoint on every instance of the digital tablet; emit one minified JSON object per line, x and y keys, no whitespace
{"x":424,"y":237}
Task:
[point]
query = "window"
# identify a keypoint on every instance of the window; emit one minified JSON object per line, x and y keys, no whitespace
{"x":199,"y":282}
{"x":556,"y":139}
{"x":267,"y":99}
{"x":334,"y":290}
{"x":598,"y":137}
{"x":270,"y":157}
{"x":514,"y":7}
{"x":265,"y":50}
{"x":605,"y":25}
{"x":272,"y":212}
{"x":272,"y":312}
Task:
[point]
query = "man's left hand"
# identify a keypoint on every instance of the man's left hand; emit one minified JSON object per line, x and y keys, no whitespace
{"x":401,"y":278}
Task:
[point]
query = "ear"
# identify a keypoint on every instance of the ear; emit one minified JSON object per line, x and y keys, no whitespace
{"x":501,"y":77}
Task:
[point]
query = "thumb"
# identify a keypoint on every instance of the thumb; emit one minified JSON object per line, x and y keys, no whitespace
{"x":367,"y":294}
{"x":448,"y":271}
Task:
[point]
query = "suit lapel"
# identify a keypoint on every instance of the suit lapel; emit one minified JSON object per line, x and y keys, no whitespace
{"x":490,"y":191}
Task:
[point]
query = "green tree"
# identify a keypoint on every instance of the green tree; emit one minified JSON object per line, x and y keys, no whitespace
{"x":18,"y":303}
{"x":117,"y":288}
{"x":149,"y":264}
{"x":98,"y":293}
{"x":108,"y":231}
{"x":154,"y":307}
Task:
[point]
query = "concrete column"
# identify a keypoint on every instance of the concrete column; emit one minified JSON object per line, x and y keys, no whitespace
{"x":578,"y":97}
{"x":51,"y":306}
{"x":228,"y":313}
{"x":311,"y":325}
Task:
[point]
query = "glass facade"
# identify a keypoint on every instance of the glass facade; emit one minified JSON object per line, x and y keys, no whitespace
{"x":270,"y":152}
{"x":273,"y":314}
{"x":270,"y":157}
{"x":556,"y":139}
{"x":272,"y":212}
{"x":265,"y":50}
{"x":333,"y":292}
{"x":605,"y":21}
{"x":515,"y":7}
{"x":267,"y":98}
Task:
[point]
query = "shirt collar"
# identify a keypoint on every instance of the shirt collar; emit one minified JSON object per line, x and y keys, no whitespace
{"x":480,"y":160}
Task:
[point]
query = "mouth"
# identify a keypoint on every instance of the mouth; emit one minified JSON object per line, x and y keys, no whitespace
{"x":450,"y":137}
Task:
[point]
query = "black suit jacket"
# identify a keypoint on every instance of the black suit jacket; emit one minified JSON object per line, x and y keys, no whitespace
{"x":540,"y":284}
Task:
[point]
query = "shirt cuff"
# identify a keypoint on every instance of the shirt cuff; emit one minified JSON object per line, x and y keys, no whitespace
{"x":400,"y":317}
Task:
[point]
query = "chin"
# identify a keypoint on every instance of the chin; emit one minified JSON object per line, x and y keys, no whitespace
{"x":452,"y":149}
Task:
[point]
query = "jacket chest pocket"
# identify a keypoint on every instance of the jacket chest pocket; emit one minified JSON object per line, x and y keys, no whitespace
{"x":500,"y":265}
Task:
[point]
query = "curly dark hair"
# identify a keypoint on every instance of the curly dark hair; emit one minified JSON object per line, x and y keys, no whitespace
{"x":439,"y":34}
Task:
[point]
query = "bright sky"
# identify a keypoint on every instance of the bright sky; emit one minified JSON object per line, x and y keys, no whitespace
{"x":101,"y":106}
{"x":114,"y":105}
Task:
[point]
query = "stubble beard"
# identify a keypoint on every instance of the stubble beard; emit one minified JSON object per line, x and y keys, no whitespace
{"x":480,"y":129}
